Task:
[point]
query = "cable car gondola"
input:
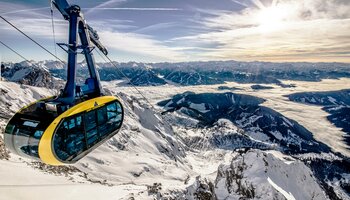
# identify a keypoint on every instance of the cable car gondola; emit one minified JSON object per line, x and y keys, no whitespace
{"x":63,"y":129}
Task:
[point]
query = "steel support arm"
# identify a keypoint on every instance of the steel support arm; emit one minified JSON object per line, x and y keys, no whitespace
{"x":78,"y":27}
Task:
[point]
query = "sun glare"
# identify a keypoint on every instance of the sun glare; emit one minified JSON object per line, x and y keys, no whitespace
{"x":272,"y":18}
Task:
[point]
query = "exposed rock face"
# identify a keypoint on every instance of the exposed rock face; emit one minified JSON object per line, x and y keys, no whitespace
{"x":261,"y":87}
{"x":191,"y":78}
{"x":256,"y":174}
{"x":336,"y":103}
{"x":228,"y":88}
{"x":331,"y":98}
{"x":31,"y":75}
{"x":223,"y":135}
{"x":244,"y":111}
{"x":56,"y":170}
{"x":147,"y":78}
{"x":208,"y":73}
{"x":201,"y":189}
{"x":4,"y":153}
{"x":260,"y":175}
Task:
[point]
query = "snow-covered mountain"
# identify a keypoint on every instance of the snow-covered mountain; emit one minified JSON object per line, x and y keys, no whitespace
{"x":336,"y":103}
{"x":191,"y":78}
{"x":331,"y":98}
{"x":145,"y":151}
{"x":208,"y":145}
{"x":146,"y":78}
{"x":259,"y":122}
{"x":14,"y":96}
{"x":30,"y":73}
{"x":52,"y":64}
{"x":266,"y":175}
{"x":206,"y":73}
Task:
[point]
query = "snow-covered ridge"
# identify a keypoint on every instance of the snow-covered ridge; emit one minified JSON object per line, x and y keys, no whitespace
{"x":145,"y":147}
{"x":14,"y":96}
{"x":171,"y":156}
{"x":336,"y":103}
{"x":260,"y":175}
{"x":258,"y":122}
{"x":30,"y":73}
{"x":206,"y":73}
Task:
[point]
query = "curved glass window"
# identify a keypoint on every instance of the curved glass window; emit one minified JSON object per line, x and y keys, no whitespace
{"x":25,"y":129}
{"x":78,"y":134}
{"x":69,"y":139}
{"x":22,"y":137}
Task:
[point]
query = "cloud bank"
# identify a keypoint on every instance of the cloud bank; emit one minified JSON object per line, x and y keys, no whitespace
{"x":264,"y":30}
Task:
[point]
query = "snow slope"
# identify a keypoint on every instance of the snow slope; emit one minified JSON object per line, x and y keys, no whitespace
{"x":145,"y":150}
{"x":157,"y":156}
{"x":311,"y":117}
{"x":261,"y":175}
{"x":14,"y":96}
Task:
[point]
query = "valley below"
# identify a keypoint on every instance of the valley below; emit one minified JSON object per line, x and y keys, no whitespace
{"x":194,"y":141}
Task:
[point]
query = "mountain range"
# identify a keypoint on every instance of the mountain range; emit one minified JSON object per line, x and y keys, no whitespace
{"x":200,"y":73}
{"x":224,"y":143}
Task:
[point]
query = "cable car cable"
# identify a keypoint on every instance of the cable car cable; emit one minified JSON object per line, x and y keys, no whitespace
{"x":143,"y":96}
{"x":14,"y":51}
{"x":53,"y":29}
{"x":42,"y":124}
{"x":30,"y":38}
{"x":160,"y":114}
{"x":121,"y":72}
{"x":148,"y":102}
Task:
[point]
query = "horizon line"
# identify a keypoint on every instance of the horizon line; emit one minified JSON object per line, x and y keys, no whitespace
{"x":195,"y":61}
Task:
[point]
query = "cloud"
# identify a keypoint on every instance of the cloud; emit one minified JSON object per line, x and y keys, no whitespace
{"x":139,"y":9}
{"x":112,"y":24}
{"x":269,"y":30}
{"x":240,"y":3}
{"x":132,"y":43}
{"x":104,"y":4}
{"x":140,"y":44}
{"x":41,"y":27}
{"x":306,"y":30}
{"x":23,"y":10}
{"x":156,"y":27}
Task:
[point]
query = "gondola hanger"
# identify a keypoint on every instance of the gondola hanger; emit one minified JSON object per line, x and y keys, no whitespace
{"x":63,"y":129}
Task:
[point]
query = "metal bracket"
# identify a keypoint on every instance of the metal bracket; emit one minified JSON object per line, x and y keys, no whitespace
{"x":63,"y":45}
{"x":68,"y":49}
{"x":89,"y":49}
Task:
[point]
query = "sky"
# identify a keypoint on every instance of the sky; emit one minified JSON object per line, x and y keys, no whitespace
{"x":189,"y":30}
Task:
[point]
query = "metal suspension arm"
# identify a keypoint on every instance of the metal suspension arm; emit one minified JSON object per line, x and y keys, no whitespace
{"x":88,"y":36}
{"x":63,"y":6}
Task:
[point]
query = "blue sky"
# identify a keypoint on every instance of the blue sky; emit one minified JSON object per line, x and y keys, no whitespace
{"x":191,"y":30}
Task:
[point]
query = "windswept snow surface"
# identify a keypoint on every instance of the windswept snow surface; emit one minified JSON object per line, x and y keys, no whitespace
{"x":153,"y":157}
{"x":20,"y":181}
{"x":144,"y":152}
{"x":14,"y":96}
{"x":288,"y":195}
{"x":311,"y":117}
{"x":260,"y":175}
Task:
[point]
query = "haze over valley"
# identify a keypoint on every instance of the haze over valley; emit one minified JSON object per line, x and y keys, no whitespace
{"x":215,"y":129}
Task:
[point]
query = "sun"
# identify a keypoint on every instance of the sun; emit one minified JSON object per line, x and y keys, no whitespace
{"x":272,"y":18}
